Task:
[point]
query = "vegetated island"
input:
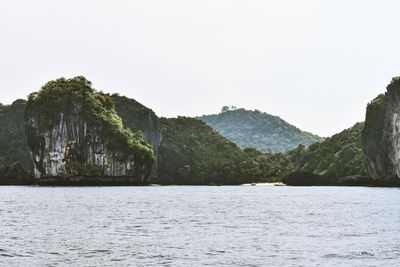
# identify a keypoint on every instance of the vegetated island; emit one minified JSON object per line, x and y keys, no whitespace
{"x":259,"y":130}
{"x":68,"y":133}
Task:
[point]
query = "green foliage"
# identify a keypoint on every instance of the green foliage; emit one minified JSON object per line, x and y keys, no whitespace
{"x":262,"y":131}
{"x":76,"y":96}
{"x":2,"y":107}
{"x":77,"y":168}
{"x":393,"y":84}
{"x":134,"y":115}
{"x":338,"y":156}
{"x":137,"y":117}
{"x":13,"y":146}
{"x":191,"y":152}
{"x":273,"y":167}
{"x":16,"y":174}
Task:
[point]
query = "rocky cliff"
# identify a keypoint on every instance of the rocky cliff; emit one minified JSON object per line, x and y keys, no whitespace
{"x":76,"y":136}
{"x":381,"y":136}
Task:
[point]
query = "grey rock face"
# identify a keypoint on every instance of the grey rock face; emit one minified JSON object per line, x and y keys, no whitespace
{"x":74,"y":147}
{"x":76,"y":137}
{"x":381,"y":134}
{"x":392,"y":128}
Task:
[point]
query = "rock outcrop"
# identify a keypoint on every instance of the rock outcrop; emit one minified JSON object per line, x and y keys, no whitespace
{"x":381,"y":136}
{"x":76,"y":137}
{"x":137,"y":117}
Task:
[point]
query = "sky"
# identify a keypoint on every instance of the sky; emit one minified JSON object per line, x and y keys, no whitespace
{"x":314,"y":63}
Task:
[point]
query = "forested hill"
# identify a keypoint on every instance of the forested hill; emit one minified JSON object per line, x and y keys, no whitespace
{"x":13,"y":146}
{"x":191,"y":152}
{"x":259,"y":130}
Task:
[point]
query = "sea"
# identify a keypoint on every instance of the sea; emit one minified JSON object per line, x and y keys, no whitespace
{"x":199,"y":226}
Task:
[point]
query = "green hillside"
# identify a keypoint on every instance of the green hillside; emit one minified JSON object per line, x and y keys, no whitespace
{"x":13,"y":146}
{"x":191,"y":152}
{"x":15,"y":160}
{"x":259,"y":130}
{"x":338,"y":156}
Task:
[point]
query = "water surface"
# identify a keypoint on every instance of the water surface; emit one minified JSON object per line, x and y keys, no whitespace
{"x":192,"y":226}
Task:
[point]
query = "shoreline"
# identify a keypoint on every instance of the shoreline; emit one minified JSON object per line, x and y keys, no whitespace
{"x":265,"y":184}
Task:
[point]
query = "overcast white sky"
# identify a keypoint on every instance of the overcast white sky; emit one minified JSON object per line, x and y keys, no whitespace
{"x":314,"y":63}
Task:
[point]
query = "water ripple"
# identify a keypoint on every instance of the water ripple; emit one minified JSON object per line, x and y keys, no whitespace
{"x":210,"y":226}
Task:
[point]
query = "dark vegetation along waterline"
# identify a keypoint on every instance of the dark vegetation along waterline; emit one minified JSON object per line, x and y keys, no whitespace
{"x":70,"y":134}
{"x":15,"y":162}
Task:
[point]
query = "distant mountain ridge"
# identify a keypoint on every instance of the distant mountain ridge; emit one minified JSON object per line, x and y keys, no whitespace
{"x":259,"y":130}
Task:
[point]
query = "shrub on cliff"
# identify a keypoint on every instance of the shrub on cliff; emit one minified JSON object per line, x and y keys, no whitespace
{"x":137,"y":117}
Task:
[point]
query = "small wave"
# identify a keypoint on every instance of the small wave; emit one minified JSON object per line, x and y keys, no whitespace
{"x":54,"y":253}
{"x":366,"y":253}
{"x":331,"y":255}
{"x":362,"y":254}
{"x":100,"y":251}
{"x":215,"y":252}
{"x":117,"y":259}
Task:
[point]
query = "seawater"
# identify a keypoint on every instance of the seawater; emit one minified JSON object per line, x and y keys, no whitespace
{"x":197,"y":226}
